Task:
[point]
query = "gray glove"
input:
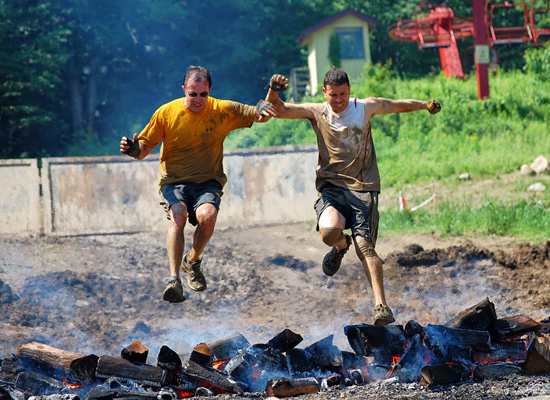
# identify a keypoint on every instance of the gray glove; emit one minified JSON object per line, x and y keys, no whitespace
{"x":263,"y":107}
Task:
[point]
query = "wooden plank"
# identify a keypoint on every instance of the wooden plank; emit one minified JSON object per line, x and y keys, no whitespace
{"x":285,"y":341}
{"x":226,"y":348}
{"x":47,"y":356}
{"x":478,"y":317}
{"x":517,"y":325}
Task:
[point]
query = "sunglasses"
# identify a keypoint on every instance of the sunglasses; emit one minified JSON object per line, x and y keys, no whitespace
{"x":193,"y":94}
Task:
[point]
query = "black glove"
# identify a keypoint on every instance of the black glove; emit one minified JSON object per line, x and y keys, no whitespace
{"x":275,"y":86}
{"x":433,"y":107}
{"x":133,"y":148}
{"x":263,"y":107}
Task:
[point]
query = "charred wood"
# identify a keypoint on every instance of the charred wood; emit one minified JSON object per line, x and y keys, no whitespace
{"x":442,"y":337}
{"x":505,"y":351}
{"x":108,"y":394}
{"x":38,"y":384}
{"x":352,"y":360}
{"x":150,"y":375}
{"x":326,"y":355}
{"x":284,"y":387}
{"x":82,"y":370}
{"x":538,"y":355}
{"x":9,"y":370}
{"x":4,"y":394}
{"x":413,"y":328}
{"x":479,"y":317}
{"x":376,"y":341}
{"x":228,"y":348}
{"x":300,"y":362}
{"x":135,"y":352}
{"x":169,"y":359}
{"x":202,"y":355}
{"x":285,"y":341}
{"x":495,"y":371}
{"x":445,"y":374}
{"x":330,"y":381}
{"x":409,"y":366}
{"x":199,"y":373}
{"x":510,"y":327}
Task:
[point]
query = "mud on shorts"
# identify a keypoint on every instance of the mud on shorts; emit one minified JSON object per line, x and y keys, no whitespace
{"x":192,"y":195}
{"x":360,"y":209}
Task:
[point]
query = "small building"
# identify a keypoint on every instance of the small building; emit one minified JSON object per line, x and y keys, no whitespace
{"x":353,"y":30}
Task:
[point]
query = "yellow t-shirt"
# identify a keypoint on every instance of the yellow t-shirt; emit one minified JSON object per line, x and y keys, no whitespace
{"x":192,"y":143}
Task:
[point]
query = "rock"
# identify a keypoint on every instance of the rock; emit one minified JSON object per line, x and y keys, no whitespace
{"x":536,"y":187}
{"x":464,"y":177}
{"x":526,"y":170}
{"x":541,"y":165}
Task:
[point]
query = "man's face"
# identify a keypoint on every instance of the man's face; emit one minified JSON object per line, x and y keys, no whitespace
{"x":196,"y":95}
{"x":337,"y":96}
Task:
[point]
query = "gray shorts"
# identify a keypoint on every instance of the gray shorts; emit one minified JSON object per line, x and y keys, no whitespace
{"x":192,"y":195}
{"x":360,"y":209}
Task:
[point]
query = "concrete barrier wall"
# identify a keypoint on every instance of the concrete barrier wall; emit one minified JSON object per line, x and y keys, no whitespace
{"x":94,"y":195}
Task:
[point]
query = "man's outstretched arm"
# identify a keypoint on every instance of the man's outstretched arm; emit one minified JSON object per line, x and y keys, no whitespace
{"x":380,"y":105}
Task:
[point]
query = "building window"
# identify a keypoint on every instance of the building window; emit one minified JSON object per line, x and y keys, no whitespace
{"x":351,"y":43}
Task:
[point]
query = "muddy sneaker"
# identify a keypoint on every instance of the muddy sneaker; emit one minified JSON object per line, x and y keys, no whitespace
{"x":333,"y":259}
{"x":383,"y":316}
{"x":173,"y":292}
{"x":195,"y":277}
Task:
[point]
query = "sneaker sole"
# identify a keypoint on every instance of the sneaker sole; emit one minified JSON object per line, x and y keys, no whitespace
{"x":196,"y":289}
{"x":172,"y":298}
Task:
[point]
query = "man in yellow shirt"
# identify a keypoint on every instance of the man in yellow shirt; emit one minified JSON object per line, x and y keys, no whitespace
{"x":192,"y":130}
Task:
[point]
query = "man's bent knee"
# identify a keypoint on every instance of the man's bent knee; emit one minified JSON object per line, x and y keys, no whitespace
{"x":178,"y":214}
{"x":331,"y":236}
{"x":364,"y":248}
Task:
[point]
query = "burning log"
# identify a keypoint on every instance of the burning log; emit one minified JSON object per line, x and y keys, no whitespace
{"x":227,"y":348}
{"x":352,"y":360}
{"x":202,"y":355}
{"x":199,"y":373}
{"x":444,"y":374}
{"x":150,"y":375}
{"x":35,"y":383}
{"x":370,"y":340}
{"x":538,"y":355}
{"x":413,"y":328}
{"x":135,"y":352}
{"x":47,"y":357}
{"x":505,"y":351}
{"x":444,"y":337}
{"x":495,"y":370}
{"x":509,"y":327}
{"x":408,"y":368}
{"x":480,"y":317}
{"x":82,"y":370}
{"x":285,"y":341}
{"x":327,"y":356}
{"x":284,"y":387}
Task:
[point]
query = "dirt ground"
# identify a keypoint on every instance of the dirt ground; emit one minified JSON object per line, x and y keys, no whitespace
{"x":97,"y":294}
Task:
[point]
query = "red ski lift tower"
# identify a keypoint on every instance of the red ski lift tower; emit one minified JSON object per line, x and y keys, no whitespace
{"x":436,"y":26}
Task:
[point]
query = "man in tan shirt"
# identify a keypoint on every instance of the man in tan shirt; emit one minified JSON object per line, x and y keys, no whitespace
{"x":347,"y":179}
{"x":192,"y":130}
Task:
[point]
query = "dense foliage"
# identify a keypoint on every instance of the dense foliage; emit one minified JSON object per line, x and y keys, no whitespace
{"x":77,"y":75}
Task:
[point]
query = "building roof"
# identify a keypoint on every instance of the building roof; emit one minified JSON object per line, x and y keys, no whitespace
{"x":336,"y":17}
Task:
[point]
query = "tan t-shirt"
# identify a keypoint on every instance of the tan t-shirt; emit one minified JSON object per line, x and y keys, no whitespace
{"x":346,"y":150}
{"x":192,"y":143}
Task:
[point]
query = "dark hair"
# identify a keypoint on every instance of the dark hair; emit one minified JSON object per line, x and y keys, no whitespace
{"x":336,"y":77}
{"x":198,"y":74}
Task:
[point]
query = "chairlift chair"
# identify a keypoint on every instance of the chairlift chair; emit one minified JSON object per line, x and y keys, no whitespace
{"x":507,"y":34}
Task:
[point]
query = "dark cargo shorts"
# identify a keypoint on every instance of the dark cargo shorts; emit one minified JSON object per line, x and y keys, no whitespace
{"x":360,"y":209}
{"x":192,"y":195}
